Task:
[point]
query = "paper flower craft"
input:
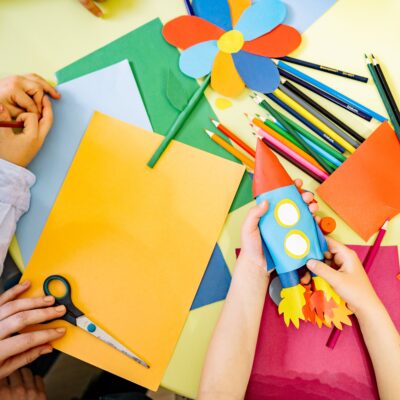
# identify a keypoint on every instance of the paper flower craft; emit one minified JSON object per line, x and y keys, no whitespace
{"x":234,"y":40}
{"x":291,"y":237}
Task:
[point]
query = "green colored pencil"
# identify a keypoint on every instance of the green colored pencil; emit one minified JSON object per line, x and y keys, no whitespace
{"x":383,"y":96}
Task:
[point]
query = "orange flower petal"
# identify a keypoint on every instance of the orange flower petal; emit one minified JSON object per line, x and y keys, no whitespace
{"x":224,"y":76}
{"x":280,"y":42}
{"x":187,"y":30}
{"x":237,"y":7}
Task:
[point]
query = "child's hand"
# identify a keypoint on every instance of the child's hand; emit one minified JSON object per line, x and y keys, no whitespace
{"x":17,"y":351}
{"x":91,"y":6}
{"x":350,"y":281}
{"x":22,"y":385}
{"x":251,"y":238}
{"x":21,"y":148}
{"x":25,"y":94}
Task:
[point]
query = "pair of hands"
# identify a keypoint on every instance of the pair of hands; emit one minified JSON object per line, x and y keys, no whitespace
{"x":350,"y":280}
{"x":25,"y":99}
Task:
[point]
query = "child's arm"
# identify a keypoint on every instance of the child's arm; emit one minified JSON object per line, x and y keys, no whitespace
{"x":229,"y":360}
{"x":16,"y":152}
{"x":380,"y":335}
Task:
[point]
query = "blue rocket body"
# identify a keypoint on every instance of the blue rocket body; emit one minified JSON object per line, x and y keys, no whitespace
{"x":290,"y":234}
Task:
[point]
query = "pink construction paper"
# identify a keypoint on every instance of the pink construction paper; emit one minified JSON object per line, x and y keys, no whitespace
{"x":296,"y":364}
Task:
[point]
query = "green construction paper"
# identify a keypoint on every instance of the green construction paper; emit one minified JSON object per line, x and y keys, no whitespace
{"x":151,"y":60}
{"x":176,"y":93}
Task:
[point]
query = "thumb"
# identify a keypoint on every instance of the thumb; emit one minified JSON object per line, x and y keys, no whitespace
{"x":31,"y":124}
{"x":324,"y":271}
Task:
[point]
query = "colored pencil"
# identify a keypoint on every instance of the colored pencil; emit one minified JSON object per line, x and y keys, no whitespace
{"x":327,"y":122}
{"x":320,"y":143}
{"x":290,"y":159}
{"x":386,"y":87}
{"x":11,"y":124}
{"x":323,"y":68}
{"x":324,"y":95}
{"x":229,"y":148}
{"x":314,"y":120}
{"x":299,"y":151}
{"x":189,"y":7}
{"x":367,"y":263}
{"x":180,"y":120}
{"x":307,"y":123}
{"x":384,"y":96}
{"x":299,"y":160}
{"x":333,"y":92}
{"x":332,"y":161}
{"x":233,"y":137}
{"x":324,"y":111}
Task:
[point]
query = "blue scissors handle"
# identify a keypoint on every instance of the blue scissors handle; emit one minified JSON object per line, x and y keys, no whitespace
{"x":72,"y":312}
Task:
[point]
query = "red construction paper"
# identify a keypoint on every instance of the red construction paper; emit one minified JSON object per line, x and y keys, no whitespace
{"x":195,"y":30}
{"x":269,"y":173}
{"x":295,"y":363}
{"x":365,"y":189}
{"x":280,"y":42}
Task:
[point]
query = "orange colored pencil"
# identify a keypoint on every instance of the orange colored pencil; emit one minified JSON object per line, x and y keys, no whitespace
{"x":229,"y":148}
{"x":233,"y":137}
{"x":286,"y":142}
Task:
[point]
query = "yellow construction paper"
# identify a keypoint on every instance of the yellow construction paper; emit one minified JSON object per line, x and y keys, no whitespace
{"x":134,"y":242}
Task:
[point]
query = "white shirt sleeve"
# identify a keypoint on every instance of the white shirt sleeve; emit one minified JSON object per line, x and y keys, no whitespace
{"x":15,"y":184}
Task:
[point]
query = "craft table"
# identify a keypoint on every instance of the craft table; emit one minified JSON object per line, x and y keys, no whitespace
{"x":44,"y":36}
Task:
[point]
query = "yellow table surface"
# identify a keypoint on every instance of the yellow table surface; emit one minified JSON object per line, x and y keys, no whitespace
{"x":43,"y":36}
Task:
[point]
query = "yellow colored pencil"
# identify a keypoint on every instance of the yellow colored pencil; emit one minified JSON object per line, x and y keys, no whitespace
{"x":229,"y":148}
{"x":314,"y":120}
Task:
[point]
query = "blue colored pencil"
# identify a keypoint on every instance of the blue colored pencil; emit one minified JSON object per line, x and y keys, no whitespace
{"x":189,"y":7}
{"x":325,"y":95}
{"x":333,"y":92}
{"x":299,"y":117}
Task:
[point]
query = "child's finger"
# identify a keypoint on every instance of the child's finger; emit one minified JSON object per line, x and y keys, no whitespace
{"x":46,"y":121}
{"x":28,"y":378}
{"x":298,"y":182}
{"x":24,"y":101}
{"x":45,"y":85}
{"x":16,"y":306}
{"x":31,"y":124}
{"x":14,"y":292}
{"x":324,"y":271}
{"x":5,"y":116}
{"x":15,"y":379}
{"x":254,"y":215}
{"x":313,"y":207}
{"x":90,"y":5}
{"x":25,"y":358}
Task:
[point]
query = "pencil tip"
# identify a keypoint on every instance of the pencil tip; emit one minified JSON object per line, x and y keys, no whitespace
{"x":209,"y":133}
{"x":216,"y":123}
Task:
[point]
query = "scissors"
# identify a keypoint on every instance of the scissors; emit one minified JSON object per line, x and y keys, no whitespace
{"x":76,"y":317}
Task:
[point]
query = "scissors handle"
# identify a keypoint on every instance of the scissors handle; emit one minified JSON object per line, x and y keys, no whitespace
{"x":72,"y":312}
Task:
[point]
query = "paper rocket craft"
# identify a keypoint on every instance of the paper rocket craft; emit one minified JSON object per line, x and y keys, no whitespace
{"x":234,"y":40}
{"x":292,"y":237}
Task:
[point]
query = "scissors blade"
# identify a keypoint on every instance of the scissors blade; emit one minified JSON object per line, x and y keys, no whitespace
{"x":89,"y":326}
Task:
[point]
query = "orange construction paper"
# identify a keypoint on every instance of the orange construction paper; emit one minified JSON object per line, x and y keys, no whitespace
{"x":134,"y":242}
{"x":224,"y":77}
{"x":196,"y":30}
{"x":365,"y":189}
{"x":237,"y":7}
{"x":280,"y":42}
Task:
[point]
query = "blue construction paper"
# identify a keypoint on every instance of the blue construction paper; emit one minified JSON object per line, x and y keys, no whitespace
{"x":331,"y":91}
{"x":112,"y":91}
{"x":215,"y":283}
{"x":258,"y":73}
{"x":197,"y":61}
{"x":261,"y":17}
{"x":217,"y":12}
{"x":274,"y":234}
{"x":303,"y":13}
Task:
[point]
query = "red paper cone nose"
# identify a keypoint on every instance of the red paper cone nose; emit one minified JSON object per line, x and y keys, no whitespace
{"x":269,"y":173}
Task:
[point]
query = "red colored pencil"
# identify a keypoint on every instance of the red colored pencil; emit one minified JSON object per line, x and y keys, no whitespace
{"x":233,"y":137}
{"x":368,"y":261}
{"x":11,"y":124}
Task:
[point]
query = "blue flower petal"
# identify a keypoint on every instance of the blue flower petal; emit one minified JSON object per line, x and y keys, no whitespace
{"x":216,"y":11}
{"x":258,"y":73}
{"x":197,"y":61}
{"x":260,"y":18}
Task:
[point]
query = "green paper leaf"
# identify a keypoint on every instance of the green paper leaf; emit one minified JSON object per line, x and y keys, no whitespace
{"x":176,"y":92}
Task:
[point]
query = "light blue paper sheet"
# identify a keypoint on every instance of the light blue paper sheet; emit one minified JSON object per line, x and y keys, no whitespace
{"x":112,"y":91}
{"x":303,"y":13}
